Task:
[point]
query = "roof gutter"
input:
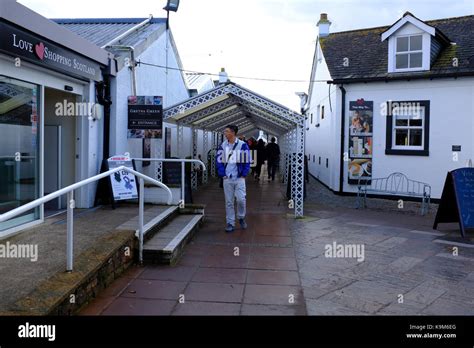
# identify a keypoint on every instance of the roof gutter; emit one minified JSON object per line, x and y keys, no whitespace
{"x":132,"y":64}
{"x":400,"y":78}
{"x":128,"y":32}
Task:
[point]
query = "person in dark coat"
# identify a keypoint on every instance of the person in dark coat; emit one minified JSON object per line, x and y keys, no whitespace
{"x":261,"y":158}
{"x":273,"y":158}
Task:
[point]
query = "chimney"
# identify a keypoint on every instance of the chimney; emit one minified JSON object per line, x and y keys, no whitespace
{"x":223,"y":77}
{"x":324,"y":25}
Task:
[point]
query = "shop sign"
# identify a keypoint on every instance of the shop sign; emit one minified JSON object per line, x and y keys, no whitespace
{"x":34,"y":49}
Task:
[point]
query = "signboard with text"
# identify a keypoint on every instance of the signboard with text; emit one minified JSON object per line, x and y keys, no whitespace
{"x":24,"y":45}
{"x":457,"y":200}
{"x":145,"y":117}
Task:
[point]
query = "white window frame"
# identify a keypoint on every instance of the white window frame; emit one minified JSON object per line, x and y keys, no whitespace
{"x":421,"y":113}
{"x":409,"y":52}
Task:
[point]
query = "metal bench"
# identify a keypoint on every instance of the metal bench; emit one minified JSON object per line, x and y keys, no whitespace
{"x":396,"y":184}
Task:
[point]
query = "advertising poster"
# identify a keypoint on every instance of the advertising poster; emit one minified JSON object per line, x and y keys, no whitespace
{"x":124,"y":184}
{"x":145,"y":117}
{"x":361,"y":114}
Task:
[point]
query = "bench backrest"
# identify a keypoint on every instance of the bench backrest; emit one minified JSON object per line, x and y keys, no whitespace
{"x":398,"y":183}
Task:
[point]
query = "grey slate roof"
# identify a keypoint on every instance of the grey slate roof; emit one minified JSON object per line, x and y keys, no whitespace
{"x":368,"y":55}
{"x":102,"y":30}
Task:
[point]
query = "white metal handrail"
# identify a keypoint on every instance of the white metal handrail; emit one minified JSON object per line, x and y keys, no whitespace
{"x":175,"y":160}
{"x":69,"y":190}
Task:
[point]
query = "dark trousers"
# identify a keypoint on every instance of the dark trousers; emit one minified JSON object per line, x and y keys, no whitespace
{"x":258,"y":169}
{"x":272,"y":168}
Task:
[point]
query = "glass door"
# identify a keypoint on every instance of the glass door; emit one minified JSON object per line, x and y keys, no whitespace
{"x":19,"y":148}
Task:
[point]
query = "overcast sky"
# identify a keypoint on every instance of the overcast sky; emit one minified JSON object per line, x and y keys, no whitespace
{"x":256,"y":38}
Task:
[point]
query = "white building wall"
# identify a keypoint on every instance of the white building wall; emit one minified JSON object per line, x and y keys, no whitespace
{"x":320,"y":139}
{"x":451,"y":123}
{"x":150,"y":81}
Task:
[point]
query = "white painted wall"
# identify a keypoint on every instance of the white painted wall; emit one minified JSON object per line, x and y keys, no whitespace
{"x":321,"y":141}
{"x":150,"y":81}
{"x":451,"y":123}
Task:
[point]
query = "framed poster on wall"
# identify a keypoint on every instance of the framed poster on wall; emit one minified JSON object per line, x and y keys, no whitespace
{"x":361,"y":116}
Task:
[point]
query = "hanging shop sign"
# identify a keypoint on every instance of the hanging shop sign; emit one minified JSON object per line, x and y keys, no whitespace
{"x":457,"y":200}
{"x":361,"y":114}
{"x":145,"y":117}
{"x":123,"y":184}
{"x":34,"y":49}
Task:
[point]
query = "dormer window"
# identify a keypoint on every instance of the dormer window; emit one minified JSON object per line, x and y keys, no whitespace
{"x":412,"y":44}
{"x":409,"y":52}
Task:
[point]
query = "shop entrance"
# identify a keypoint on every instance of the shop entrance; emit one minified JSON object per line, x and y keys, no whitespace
{"x":60,"y":141}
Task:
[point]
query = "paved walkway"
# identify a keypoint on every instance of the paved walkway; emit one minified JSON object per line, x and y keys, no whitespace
{"x":283,"y":268}
{"x":407,"y":268}
{"x":252,"y":272}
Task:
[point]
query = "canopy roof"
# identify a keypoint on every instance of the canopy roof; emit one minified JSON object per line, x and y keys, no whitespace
{"x":230,"y":103}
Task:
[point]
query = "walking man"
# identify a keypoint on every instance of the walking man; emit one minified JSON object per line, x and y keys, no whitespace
{"x":273,"y":157}
{"x":233,"y":166}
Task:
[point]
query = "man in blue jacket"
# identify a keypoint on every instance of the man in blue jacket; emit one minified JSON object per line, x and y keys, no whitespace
{"x":233,"y":166}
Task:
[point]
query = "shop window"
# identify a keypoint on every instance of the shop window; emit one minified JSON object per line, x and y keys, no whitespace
{"x":408,"y":128}
{"x":19,"y":149}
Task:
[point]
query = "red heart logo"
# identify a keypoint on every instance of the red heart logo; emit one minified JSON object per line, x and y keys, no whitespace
{"x":39,"y":50}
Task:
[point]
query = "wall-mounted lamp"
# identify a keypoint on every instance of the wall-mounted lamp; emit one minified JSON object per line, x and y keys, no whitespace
{"x":172,"y":6}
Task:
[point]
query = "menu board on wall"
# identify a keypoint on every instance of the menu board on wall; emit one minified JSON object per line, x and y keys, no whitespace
{"x":361,"y":115}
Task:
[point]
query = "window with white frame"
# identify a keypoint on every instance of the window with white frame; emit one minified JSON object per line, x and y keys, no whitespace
{"x":408,"y":131}
{"x":408,"y":128}
{"x":409,"y":52}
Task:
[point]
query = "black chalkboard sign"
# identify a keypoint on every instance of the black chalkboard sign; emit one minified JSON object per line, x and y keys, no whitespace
{"x":172,"y":173}
{"x":457,"y":201}
{"x":172,"y":177}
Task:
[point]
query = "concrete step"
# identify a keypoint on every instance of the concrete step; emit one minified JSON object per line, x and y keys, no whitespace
{"x":166,"y":246}
{"x":154,"y":218}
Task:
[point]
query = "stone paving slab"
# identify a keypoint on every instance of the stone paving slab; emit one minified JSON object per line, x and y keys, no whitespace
{"x":282,"y":268}
{"x":251,"y":272}
{"x":403,"y":256}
